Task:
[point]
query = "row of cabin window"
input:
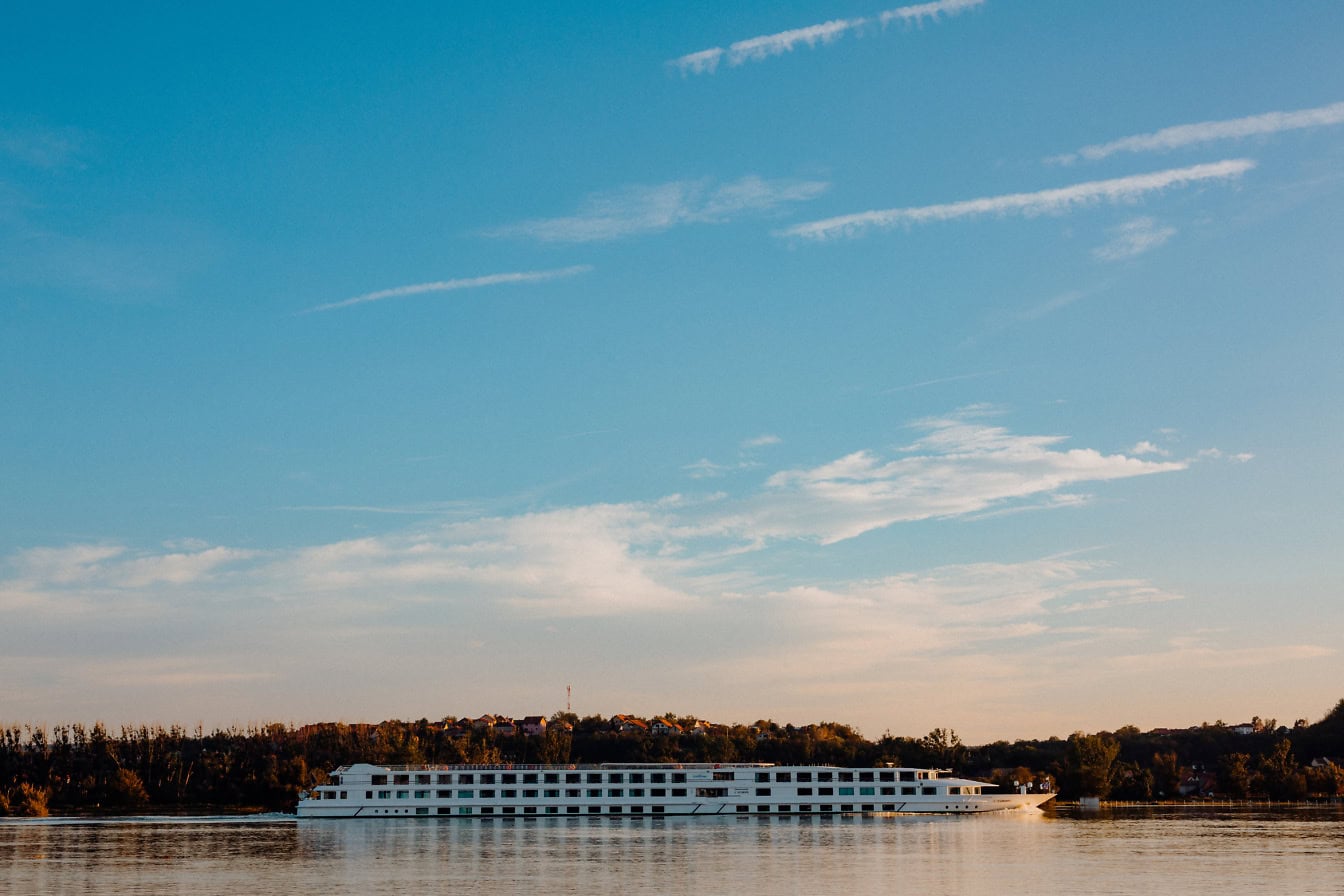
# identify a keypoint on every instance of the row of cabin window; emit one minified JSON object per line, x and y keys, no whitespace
{"x":629,"y":810}
{"x":822,"y":777}
{"x":594,"y":793}
{"x":531,"y":778}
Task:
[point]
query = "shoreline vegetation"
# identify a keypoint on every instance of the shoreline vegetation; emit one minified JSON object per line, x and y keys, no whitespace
{"x":77,"y":770}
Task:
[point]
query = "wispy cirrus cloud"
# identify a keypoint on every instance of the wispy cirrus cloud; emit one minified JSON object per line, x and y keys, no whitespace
{"x":1133,"y":238}
{"x":653,"y":208}
{"x":1054,"y":201}
{"x":959,"y":466}
{"x":756,"y":49}
{"x":453,"y":285}
{"x":1209,"y":131}
{"x":44,"y":147}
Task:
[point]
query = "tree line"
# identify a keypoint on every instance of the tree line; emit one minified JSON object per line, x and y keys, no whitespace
{"x":78,"y":769}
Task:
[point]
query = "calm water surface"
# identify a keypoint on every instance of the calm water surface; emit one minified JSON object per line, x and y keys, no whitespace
{"x":1138,"y":851}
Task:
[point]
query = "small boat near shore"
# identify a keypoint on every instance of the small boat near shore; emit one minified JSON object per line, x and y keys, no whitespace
{"x":642,"y":790}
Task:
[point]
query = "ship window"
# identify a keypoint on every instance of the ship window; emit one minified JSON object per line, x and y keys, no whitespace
{"x":847,"y":808}
{"x":444,"y":779}
{"x":826,"y":809}
{"x":444,"y":810}
{"x":422,"y":810}
{"x":615,"y":791}
{"x":378,"y":779}
{"x":807,"y":776}
{"x":422,"y":794}
{"x":551,"y":794}
{"x":678,"y":777}
{"x":907,"y":791}
{"x":509,"y":794}
{"x":636,"y":791}
{"x":762,"y":777}
{"x":384,"y":794}
{"x":594,"y":778}
{"x":784,"y":808}
{"x":465,"y":794}
{"x":464,"y":810}
{"x":888,"y":791}
{"x":614,"y":810}
{"x":713,"y":791}
{"x":595,"y":791}
{"x":487,"y":810}
{"x":928,"y":791}
{"x":487,"y":779}
{"x":530,"y":778}
{"x":422,"y":779}
{"x":529,"y":810}
{"x":636,"y":777}
{"x":636,"y":810}
{"x":886,"y":776}
{"x":657,"y":810}
{"x":326,"y":795}
{"x":782,"y":777}
{"x":866,"y":807}
{"x":826,"y":791}
{"x":572,"y":778}
{"x":368,"y":794}
{"x":343,"y":796}
{"x":907,"y":776}
{"x":762,"y":808}
{"x":825,"y":776}
{"x":888,"y":807}
{"x":804,"y":808}
{"x":466,"y":779}
{"x":742,"y":808}
{"x":954,"y":790}
{"x":529,"y":794}
{"x":572,"y":810}
{"x":678,"y":791}
{"x":550,"y":778}
{"x":615,"y":778}
{"x":403,"y":794}
{"x":804,"y":791}
{"x":508,"y":779}
{"x":658,"y":791}
{"x":594,"y":810}
{"x":723,"y":776}
{"x":658,"y":778}
{"x":552,"y":810}
{"x":401,"y":779}
{"x":443,"y":794}
{"x":865,"y":776}
{"x":487,"y":794}
{"x":846,"y":776}
{"x":509,"y":810}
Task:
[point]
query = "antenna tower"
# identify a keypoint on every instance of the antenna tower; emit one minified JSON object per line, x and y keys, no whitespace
{"x":569,"y":693}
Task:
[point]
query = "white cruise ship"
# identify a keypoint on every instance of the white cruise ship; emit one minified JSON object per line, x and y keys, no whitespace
{"x":648,"y":790}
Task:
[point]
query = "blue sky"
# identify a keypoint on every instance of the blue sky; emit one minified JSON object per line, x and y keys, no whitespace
{"x":964,"y":364}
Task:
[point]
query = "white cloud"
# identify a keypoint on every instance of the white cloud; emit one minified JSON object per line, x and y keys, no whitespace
{"x":756,"y":49}
{"x":1054,"y":201}
{"x":1218,"y":454}
{"x":452,"y":285}
{"x":1133,"y":238}
{"x":762,"y":441}
{"x":650,"y":209}
{"x":1209,"y":131}
{"x":1147,"y":447}
{"x":959,"y":466}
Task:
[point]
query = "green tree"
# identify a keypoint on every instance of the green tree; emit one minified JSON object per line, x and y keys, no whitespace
{"x":1234,"y":775}
{"x":1094,"y":758}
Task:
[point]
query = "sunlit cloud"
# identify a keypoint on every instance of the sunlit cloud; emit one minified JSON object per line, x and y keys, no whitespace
{"x":453,"y":285}
{"x":1055,"y":201}
{"x":757,"y":49}
{"x":1210,"y":131}
{"x":641,"y":209}
{"x":959,"y":466}
{"x":1133,"y":238}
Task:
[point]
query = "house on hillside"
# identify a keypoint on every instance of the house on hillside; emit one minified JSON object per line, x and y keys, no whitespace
{"x":664,"y":727}
{"x":534,"y":726}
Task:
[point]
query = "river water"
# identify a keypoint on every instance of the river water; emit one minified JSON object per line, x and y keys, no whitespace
{"x":1151,"y":852}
